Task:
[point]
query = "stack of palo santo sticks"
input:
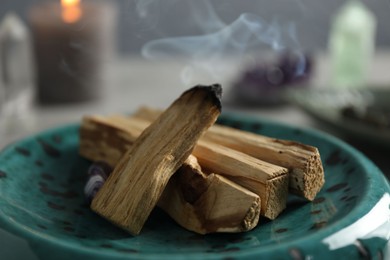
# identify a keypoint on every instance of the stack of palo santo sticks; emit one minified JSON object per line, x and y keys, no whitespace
{"x":208,"y":178}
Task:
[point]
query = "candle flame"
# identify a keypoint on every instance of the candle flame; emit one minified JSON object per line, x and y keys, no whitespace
{"x":71,"y":11}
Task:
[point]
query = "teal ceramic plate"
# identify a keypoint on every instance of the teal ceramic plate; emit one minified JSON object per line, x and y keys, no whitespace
{"x":327,"y":105}
{"x":41,"y":200}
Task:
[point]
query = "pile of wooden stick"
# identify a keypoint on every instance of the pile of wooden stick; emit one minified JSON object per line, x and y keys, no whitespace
{"x":208,"y":178}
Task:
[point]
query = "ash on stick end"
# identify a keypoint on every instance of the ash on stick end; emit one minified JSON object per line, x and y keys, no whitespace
{"x":215,"y":91}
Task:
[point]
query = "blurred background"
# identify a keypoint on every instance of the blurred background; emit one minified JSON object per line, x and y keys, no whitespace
{"x":142,"y":21}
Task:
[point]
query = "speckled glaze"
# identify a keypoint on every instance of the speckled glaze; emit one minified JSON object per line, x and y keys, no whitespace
{"x":41,"y":200}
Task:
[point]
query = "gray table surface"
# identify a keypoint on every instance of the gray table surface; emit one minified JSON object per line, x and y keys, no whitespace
{"x":133,"y":81}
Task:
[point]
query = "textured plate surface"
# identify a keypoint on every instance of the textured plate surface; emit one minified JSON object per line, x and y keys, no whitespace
{"x":41,"y":199}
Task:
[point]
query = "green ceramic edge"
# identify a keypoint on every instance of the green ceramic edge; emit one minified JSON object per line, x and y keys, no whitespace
{"x":311,"y":240}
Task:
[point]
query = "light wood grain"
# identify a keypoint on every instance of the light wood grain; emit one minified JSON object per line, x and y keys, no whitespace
{"x":258,"y":176}
{"x":209,"y":203}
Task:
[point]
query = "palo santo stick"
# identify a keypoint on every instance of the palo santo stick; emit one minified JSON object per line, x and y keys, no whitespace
{"x":269,"y":181}
{"x":138,"y":180}
{"x":306,"y":176}
{"x":104,"y":138}
{"x":193,"y":199}
{"x":303,"y":161}
{"x":198,"y":201}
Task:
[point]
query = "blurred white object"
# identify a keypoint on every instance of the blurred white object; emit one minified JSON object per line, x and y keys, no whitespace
{"x":16,"y":75}
{"x":352,"y":44}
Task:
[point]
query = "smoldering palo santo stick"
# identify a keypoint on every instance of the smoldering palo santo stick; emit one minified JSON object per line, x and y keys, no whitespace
{"x":306,"y":176}
{"x":138,"y":180}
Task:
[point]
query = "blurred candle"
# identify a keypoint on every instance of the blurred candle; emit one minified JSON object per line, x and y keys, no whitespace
{"x":73,"y":41}
{"x":71,"y":11}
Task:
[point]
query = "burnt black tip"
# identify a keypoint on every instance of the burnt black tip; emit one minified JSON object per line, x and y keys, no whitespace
{"x":215,"y":91}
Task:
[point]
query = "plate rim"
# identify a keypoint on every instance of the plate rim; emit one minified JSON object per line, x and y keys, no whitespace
{"x":370,"y":133}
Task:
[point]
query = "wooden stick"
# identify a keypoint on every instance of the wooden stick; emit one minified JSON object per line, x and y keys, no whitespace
{"x":104,"y":138}
{"x":195,"y":200}
{"x":209,"y":203}
{"x":138,"y":180}
{"x":303,"y":161}
{"x":268,"y":181}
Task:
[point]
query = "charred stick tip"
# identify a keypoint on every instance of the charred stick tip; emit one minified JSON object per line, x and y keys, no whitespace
{"x":215,"y":91}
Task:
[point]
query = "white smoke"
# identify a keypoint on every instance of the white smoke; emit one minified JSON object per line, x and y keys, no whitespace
{"x":217,"y":40}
